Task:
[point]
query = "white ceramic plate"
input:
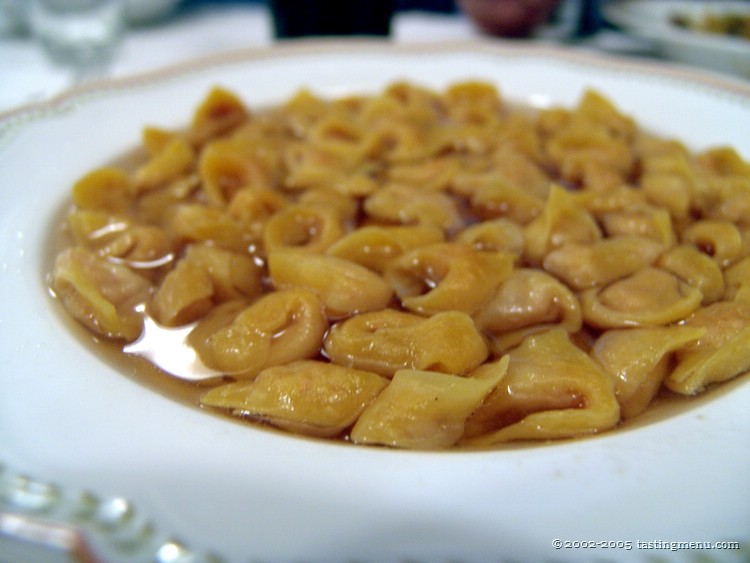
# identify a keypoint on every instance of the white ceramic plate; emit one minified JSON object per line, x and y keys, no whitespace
{"x":652,"y":20}
{"x":69,"y":419}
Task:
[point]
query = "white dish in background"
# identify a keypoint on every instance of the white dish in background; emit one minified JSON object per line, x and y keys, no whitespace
{"x":652,"y":20}
{"x":70,"y":418}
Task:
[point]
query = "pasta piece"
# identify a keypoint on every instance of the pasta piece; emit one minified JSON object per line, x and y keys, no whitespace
{"x":639,"y":359}
{"x":472,"y":102}
{"x":597,"y":176}
{"x":185,"y":295}
{"x":672,"y":191}
{"x":158,"y":206}
{"x":195,"y":223}
{"x":90,"y":226}
{"x":719,"y":355}
{"x":529,"y":301}
{"x":398,"y":140}
{"x":338,"y":135}
{"x":519,"y":131}
{"x":499,"y":198}
{"x":375,"y":246}
{"x":447,"y":277}
{"x":734,"y":205}
{"x":344,"y":287}
{"x":594,"y":134}
{"x":477,"y":173}
{"x":310,"y":228}
{"x":306,"y":397}
{"x":420,"y":105}
{"x":668,"y":179}
{"x":388,"y":340}
{"x":303,"y":110}
{"x":310,"y":167}
{"x":225,"y":168}
{"x":233,"y":275}
{"x":102,"y":296}
{"x":407,"y":205}
{"x":263,"y":139}
{"x":608,"y":205}
{"x":737,"y":281}
{"x":649,"y":297}
{"x":278,"y":328}
{"x":344,"y":204}
{"x":422,"y":410}
{"x":104,"y":189}
{"x":583,"y":143}
{"x":552,"y":389}
{"x":174,"y":160}
{"x":499,"y":235}
{"x":520,"y":170}
{"x":253,"y":208}
{"x":205,"y":276}
{"x":220,"y":112}
{"x":600,"y":109}
{"x":724,"y":161}
{"x":360,"y":182}
{"x":154,"y":139}
{"x":137,"y":246}
{"x":640,"y":220}
{"x":562,"y":222}
{"x":434,"y":174}
{"x":697,"y":269}
{"x":582,"y":266}
{"x":719,"y":239}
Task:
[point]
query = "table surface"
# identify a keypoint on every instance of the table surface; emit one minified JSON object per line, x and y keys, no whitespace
{"x":28,"y":76}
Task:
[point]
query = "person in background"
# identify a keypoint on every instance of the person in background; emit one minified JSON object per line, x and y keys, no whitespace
{"x":505,"y":18}
{"x":508,"y":18}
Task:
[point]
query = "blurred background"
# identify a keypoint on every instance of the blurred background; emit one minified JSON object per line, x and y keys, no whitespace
{"x":40,"y":52}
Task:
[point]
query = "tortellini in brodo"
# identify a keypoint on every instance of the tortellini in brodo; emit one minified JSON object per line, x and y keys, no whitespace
{"x":418,"y":269}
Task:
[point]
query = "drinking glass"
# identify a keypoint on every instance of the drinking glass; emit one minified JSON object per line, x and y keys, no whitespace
{"x":83,"y":34}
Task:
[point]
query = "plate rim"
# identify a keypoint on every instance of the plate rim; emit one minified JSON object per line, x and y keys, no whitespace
{"x":290,"y":48}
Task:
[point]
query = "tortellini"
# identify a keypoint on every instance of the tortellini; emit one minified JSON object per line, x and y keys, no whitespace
{"x":389,"y":340}
{"x":529,"y":301}
{"x":278,"y":328}
{"x":205,"y":276}
{"x":447,"y":277}
{"x":306,"y":396}
{"x":639,"y":359}
{"x":417,"y":269}
{"x":168,"y":165}
{"x":552,"y":389}
{"x":143,"y":247}
{"x":303,"y":227}
{"x":720,"y":354}
{"x":422,"y":409}
{"x":103,"y":296}
{"x":344,"y":287}
{"x":374,"y":247}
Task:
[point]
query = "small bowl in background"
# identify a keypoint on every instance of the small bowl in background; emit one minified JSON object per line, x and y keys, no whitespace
{"x":654,"y":22}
